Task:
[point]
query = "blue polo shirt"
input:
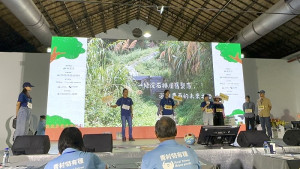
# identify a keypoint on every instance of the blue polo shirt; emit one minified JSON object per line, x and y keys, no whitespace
{"x":125,"y":101}
{"x":169,"y":102}
{"x":73,"y":158}
{"x":210,"y":106}
{"x":218,"y":106}
{"x":170,"y":154}
{"x":24,"y":99}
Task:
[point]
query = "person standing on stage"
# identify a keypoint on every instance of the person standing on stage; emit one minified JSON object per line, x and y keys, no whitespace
{"x":167,"y":105}
{"x":218,"y":108}
{"x":23,"y":111}
{"x":264,"y":107}
{"x":249,"y":109}
{"x":125,"y":103}
{"x":207,"y":110}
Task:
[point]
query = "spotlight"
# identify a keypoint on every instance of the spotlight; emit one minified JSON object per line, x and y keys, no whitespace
{"x":162,"y":9}
{"x":147,"y":35}
{"x":48,"y":50}
{"x":242,"y":55}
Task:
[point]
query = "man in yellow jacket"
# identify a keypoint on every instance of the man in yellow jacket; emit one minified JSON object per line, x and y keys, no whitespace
{"x":264,"y":107}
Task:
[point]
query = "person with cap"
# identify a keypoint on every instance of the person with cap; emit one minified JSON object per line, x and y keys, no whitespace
{"x":207,"y":111}
{"x":264,"y":107}
{"x":23,"y":111}
{"x":169,"y":154}
{"x":249,"y":109}
{"x":72,"y":155}
{"x":218,"y":108}
{"x":167,"y":105}
{"x":125,"y":103}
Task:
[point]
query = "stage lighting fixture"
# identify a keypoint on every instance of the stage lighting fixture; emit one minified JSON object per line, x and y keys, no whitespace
{"x":147,"y":35}
{"x":48,"y":50}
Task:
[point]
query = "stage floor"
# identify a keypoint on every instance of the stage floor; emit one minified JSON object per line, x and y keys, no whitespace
{"x":129,"y":154}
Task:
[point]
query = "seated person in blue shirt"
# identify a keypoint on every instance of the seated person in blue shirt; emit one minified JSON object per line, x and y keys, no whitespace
{"x":169,"y":154}
{"x":42,"y":126}
{"x":70,"y":146}
{"x":167,"y":105}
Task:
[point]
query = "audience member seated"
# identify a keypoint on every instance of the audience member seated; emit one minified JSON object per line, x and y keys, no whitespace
{"x":70,"y":146}
{"x":169,"y":154}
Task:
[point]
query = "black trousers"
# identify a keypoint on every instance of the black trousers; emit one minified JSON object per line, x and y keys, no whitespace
{"x":218,"y":119}
{"x":251,"y":121}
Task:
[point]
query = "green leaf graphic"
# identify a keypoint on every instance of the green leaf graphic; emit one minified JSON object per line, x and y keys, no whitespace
{"x":237,"y":112}
{"x":230,"y":52}
{"x":57,"y":120}
{"x":67,"y":47}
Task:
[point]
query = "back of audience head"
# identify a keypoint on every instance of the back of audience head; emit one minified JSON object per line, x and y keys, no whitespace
{"x":165,"y":127}
{"x":70,"y":137}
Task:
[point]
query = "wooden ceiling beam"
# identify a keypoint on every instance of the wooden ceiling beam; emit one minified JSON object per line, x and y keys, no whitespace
{"x":89,"y":23}
{"x":101,"y":10}
{"x":193,"y":20}
{"x":57,"y":30}
{"x":163,"y":16}
{"x":150,"y":12}
{"x":123,"y":15}
{"x":211,"y":20}
{"x":70,"y":17}
{"x":233,"y":20}
{"x":115,"y":16}
{"x":179,"y":15}
{"x":139,"y":10}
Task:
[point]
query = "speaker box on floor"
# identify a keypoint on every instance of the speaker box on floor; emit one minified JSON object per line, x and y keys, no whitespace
{"x":252,"y":138}
{"x":292,"y":137}
{"x":31,"y":145}
{"x":98,"y":142}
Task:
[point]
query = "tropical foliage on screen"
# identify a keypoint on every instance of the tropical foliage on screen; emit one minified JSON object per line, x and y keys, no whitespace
{"x":110,"y":63}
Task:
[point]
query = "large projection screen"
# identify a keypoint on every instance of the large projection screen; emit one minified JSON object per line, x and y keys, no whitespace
{"x":87,"y":72}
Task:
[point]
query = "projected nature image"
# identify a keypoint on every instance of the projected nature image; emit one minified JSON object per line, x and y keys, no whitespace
{"x":146,"y":68}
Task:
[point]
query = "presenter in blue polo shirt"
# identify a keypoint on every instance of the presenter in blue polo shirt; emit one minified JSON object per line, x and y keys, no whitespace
{"x":167,"y":105}
{"x":169,"y":154}
{"x":125,"y":103}
{"x":23,"y":111}
{"x":72,"y":155}
{"x":207,"y":111}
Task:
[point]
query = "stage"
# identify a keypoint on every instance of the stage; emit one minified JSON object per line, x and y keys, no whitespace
{"x":129,"y":154}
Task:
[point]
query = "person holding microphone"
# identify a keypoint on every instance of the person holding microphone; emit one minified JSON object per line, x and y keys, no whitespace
{"x":167,"y":105}
{"x":207,"y":110}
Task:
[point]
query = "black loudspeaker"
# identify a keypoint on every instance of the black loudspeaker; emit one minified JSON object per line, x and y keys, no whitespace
{"x":98,"y":142}
{"x":292,"y":137}
{"x":252,"y":138}
{"x":31,"y":145}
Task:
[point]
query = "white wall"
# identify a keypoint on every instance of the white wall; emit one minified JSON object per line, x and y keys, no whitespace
{"x":124,"y":31}
{"x":280,"y":80}
{"x":16,"y":68}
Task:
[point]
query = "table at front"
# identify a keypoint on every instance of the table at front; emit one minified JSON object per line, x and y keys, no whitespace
{"x":276,"y":161}
{"x":114,"y":162}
